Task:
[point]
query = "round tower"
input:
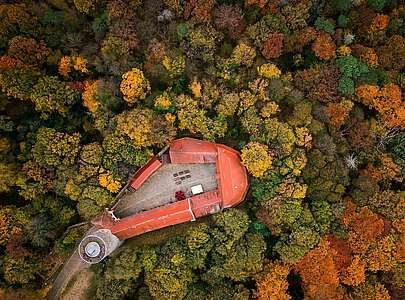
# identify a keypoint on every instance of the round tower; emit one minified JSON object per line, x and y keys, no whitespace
{"x":97,"y":245}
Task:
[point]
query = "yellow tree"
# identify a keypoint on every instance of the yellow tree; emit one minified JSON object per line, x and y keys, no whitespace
{"x":134,"y":86}
{"x":145,"y":128}
{"x":273,"y":285}
{"x":256,"y":158}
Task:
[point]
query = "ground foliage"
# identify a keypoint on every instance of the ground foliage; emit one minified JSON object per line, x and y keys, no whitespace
{"x":311,"y":93}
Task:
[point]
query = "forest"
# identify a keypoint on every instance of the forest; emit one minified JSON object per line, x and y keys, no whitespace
{"x":309,"y":91}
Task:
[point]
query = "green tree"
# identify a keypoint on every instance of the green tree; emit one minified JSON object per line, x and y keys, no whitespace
{"x":243,"y":260}
{"x":113,"y":289}
{"x":169,"y":283}
{"x":343,"y":6}
{"x":397,"y":148}
{"x":233,"y":224}
{"x":278,"y":135}
{"x":101,"y":196}
{"x":203,"y":41}
{"x":18,"y":83}
{"x":88,"y":209}
{"x":279,"y":214}
{"x":126,"y":265}
{"x":294,"y":246}
{"x":20,"y":270}
{"x":194,"y":119}
{"x":351,"y":69}
{"x":326,"y":176}
{"x":51,"y":95}
{"x":323,"y":215}
{"x":199,"y":243}
{"x":120,"y":149}
{"x":221,"y":290}
{"x":377,"y":4}
{"x":325,"y":25}
{"x":55,"y":149}
{"x":265,"y":188}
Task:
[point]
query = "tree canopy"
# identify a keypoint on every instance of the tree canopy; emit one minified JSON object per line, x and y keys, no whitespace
{"x":311,"y":93}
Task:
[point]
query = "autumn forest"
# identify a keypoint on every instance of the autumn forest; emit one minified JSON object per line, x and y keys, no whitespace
{"x":310,"y":92}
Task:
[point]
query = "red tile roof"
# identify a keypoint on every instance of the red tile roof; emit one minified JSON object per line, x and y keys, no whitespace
{"x":232,"y":187}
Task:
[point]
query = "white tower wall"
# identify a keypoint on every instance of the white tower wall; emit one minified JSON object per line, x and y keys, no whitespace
{"x":106,"y":244}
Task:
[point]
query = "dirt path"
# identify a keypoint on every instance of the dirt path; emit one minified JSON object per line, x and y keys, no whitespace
{"x":78,"y":290}
{"x":73,"y":265}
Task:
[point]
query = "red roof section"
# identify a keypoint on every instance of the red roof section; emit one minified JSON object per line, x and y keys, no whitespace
{"x":188,"y":150}
{"x":233,"y":179}
{"x":170,"y":214}
{"x":145,"y":172}
{"x":206,"y":203}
